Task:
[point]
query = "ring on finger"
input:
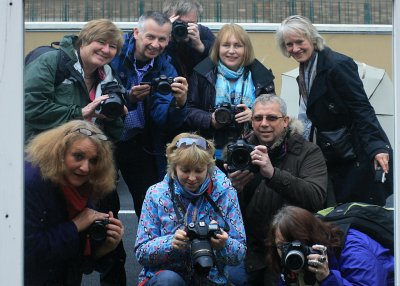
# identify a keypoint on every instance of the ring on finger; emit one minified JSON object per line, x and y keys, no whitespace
{"x":259,"y":157}
{"x":322,"y":259}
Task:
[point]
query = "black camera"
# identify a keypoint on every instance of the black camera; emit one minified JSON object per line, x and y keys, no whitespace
{"x":113,"y":106}
{"x":201,"y":252}
{"x":162,"y":84}
{"x":98,"y":231}
{"x":179,"y":30}
{"x":239,"y":158}
{"x":294,"y":256}
{"x":225,"y":113}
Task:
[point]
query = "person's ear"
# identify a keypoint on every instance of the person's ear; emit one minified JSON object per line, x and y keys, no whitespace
{"x":136,"y":33}
{"x":286,"y":121}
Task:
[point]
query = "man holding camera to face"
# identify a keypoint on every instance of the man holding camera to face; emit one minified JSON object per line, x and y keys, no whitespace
{"x":156,"y":103}
{"x":190,"y":42}
{"x":275,"y":167}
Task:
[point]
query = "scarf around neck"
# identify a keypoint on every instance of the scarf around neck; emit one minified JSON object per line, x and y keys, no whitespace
{"x":196,"y":199}
{"x":242,"y":90}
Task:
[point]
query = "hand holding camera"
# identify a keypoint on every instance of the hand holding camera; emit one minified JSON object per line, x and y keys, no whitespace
{"x":297,"y":257}
{"x":108,"y":232}
{"x":179,"y":90}
{"x":201,"y":236}
{"x":261,"y":159}
{"x":224,"y":115}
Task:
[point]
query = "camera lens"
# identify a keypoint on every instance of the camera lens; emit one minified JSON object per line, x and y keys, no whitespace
{"x":202,"y":256}
{"x":223,"y":116}
{"x":113,"y":106}
{"x":241,"y":158}
{"x":98,"y":231}
{"x":179,"y":30}
{"x":164,"y":87}
{"x":294,"y":260}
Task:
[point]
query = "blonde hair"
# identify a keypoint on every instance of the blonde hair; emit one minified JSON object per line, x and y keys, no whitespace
{"x":241,"y":35}
{"x":100,"y":30}
{"x":191,"y":155}
{"x":47,"y":151}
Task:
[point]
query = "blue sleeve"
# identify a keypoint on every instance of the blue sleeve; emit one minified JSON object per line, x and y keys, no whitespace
{"x":363,"y":261}
{"x":162,"y":109}
{"x":154,"y":249}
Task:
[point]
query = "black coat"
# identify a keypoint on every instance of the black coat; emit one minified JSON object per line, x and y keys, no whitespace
{"x":201,"y":94}
{"x":185,"y":57}
{"x":337,"y":98}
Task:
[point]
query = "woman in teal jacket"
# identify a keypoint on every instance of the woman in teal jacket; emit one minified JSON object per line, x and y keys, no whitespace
{"x":83,"y":62}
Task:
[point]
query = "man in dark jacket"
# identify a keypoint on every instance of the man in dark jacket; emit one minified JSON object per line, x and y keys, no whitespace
{"x":191,"y":42}
{"x":290,"y":170}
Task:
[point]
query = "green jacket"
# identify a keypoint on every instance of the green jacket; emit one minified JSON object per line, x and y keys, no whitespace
{"x":47,"y":105}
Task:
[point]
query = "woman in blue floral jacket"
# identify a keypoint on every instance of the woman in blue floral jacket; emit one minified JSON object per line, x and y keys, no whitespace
{"x":193,"y":196}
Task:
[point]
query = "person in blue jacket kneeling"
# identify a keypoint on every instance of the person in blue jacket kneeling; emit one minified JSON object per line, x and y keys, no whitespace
{"x":191,"y":226}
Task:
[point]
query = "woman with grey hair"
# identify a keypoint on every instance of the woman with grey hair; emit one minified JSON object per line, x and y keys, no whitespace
{"x":337,"y":115}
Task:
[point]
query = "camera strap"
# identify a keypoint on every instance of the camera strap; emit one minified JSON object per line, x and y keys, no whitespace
{"x":180,"y":209}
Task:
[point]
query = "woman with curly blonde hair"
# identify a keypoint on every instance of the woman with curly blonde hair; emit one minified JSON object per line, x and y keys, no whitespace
{"x":67,"y":170}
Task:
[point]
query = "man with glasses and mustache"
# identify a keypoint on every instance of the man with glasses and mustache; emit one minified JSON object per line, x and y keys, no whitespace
{"x":154,"y":115}
{"x":292,"y":171}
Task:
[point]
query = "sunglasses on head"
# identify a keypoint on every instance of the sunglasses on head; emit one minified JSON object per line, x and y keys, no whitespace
{"x":185,"y":142}
{"x":89,"y":133}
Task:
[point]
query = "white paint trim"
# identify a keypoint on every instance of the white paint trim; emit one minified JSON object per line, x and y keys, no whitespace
{"x":11,"y":143}
{"x":254,"y":27}
{"x":396,"y":86}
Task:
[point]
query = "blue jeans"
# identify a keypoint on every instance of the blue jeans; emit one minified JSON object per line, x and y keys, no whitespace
{"x":166,"y":278}
{"x":237,"y":275}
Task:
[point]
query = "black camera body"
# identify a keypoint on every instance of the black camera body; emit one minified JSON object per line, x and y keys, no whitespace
{"x":113,"y":106}
{"x":98,"y":231}
{"x":179,"y":30}
{"x":294,"y":256}
{"x":225,"y":113}
{"x":238,"y":157}
{"x":162,"y":84}
{"x":199,"y":234}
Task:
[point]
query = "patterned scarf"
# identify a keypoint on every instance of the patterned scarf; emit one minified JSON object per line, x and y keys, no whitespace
{"x":240,"y":91}
{"x":196,"y":198}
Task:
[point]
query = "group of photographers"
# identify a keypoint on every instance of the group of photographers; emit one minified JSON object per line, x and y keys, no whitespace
{"x":204,"y":202}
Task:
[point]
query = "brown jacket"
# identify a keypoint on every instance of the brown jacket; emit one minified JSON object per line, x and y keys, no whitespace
{"x":300,"y":179}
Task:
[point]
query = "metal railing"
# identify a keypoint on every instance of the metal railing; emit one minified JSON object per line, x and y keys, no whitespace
{"x":239,"y":11}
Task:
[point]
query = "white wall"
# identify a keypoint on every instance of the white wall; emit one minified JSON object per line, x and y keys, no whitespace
{"x":396,"y":147}
{"x":11,"y":142}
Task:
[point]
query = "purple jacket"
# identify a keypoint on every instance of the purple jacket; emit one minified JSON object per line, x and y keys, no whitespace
{"x":362,"y":262}
{"x":53,"y":246}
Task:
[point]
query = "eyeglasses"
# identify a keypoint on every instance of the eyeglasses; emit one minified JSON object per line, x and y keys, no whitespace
{"x":282,"y":245}
{"x":185,"y":142}
{"x":269,"y":118}
{"x":89,"y":133}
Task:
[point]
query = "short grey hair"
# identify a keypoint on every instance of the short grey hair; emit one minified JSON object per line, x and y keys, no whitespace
{"x":181,"y":7}
{"x":156,"y":16}
{"x":297,"y":24}
{"x":271,"y":98}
